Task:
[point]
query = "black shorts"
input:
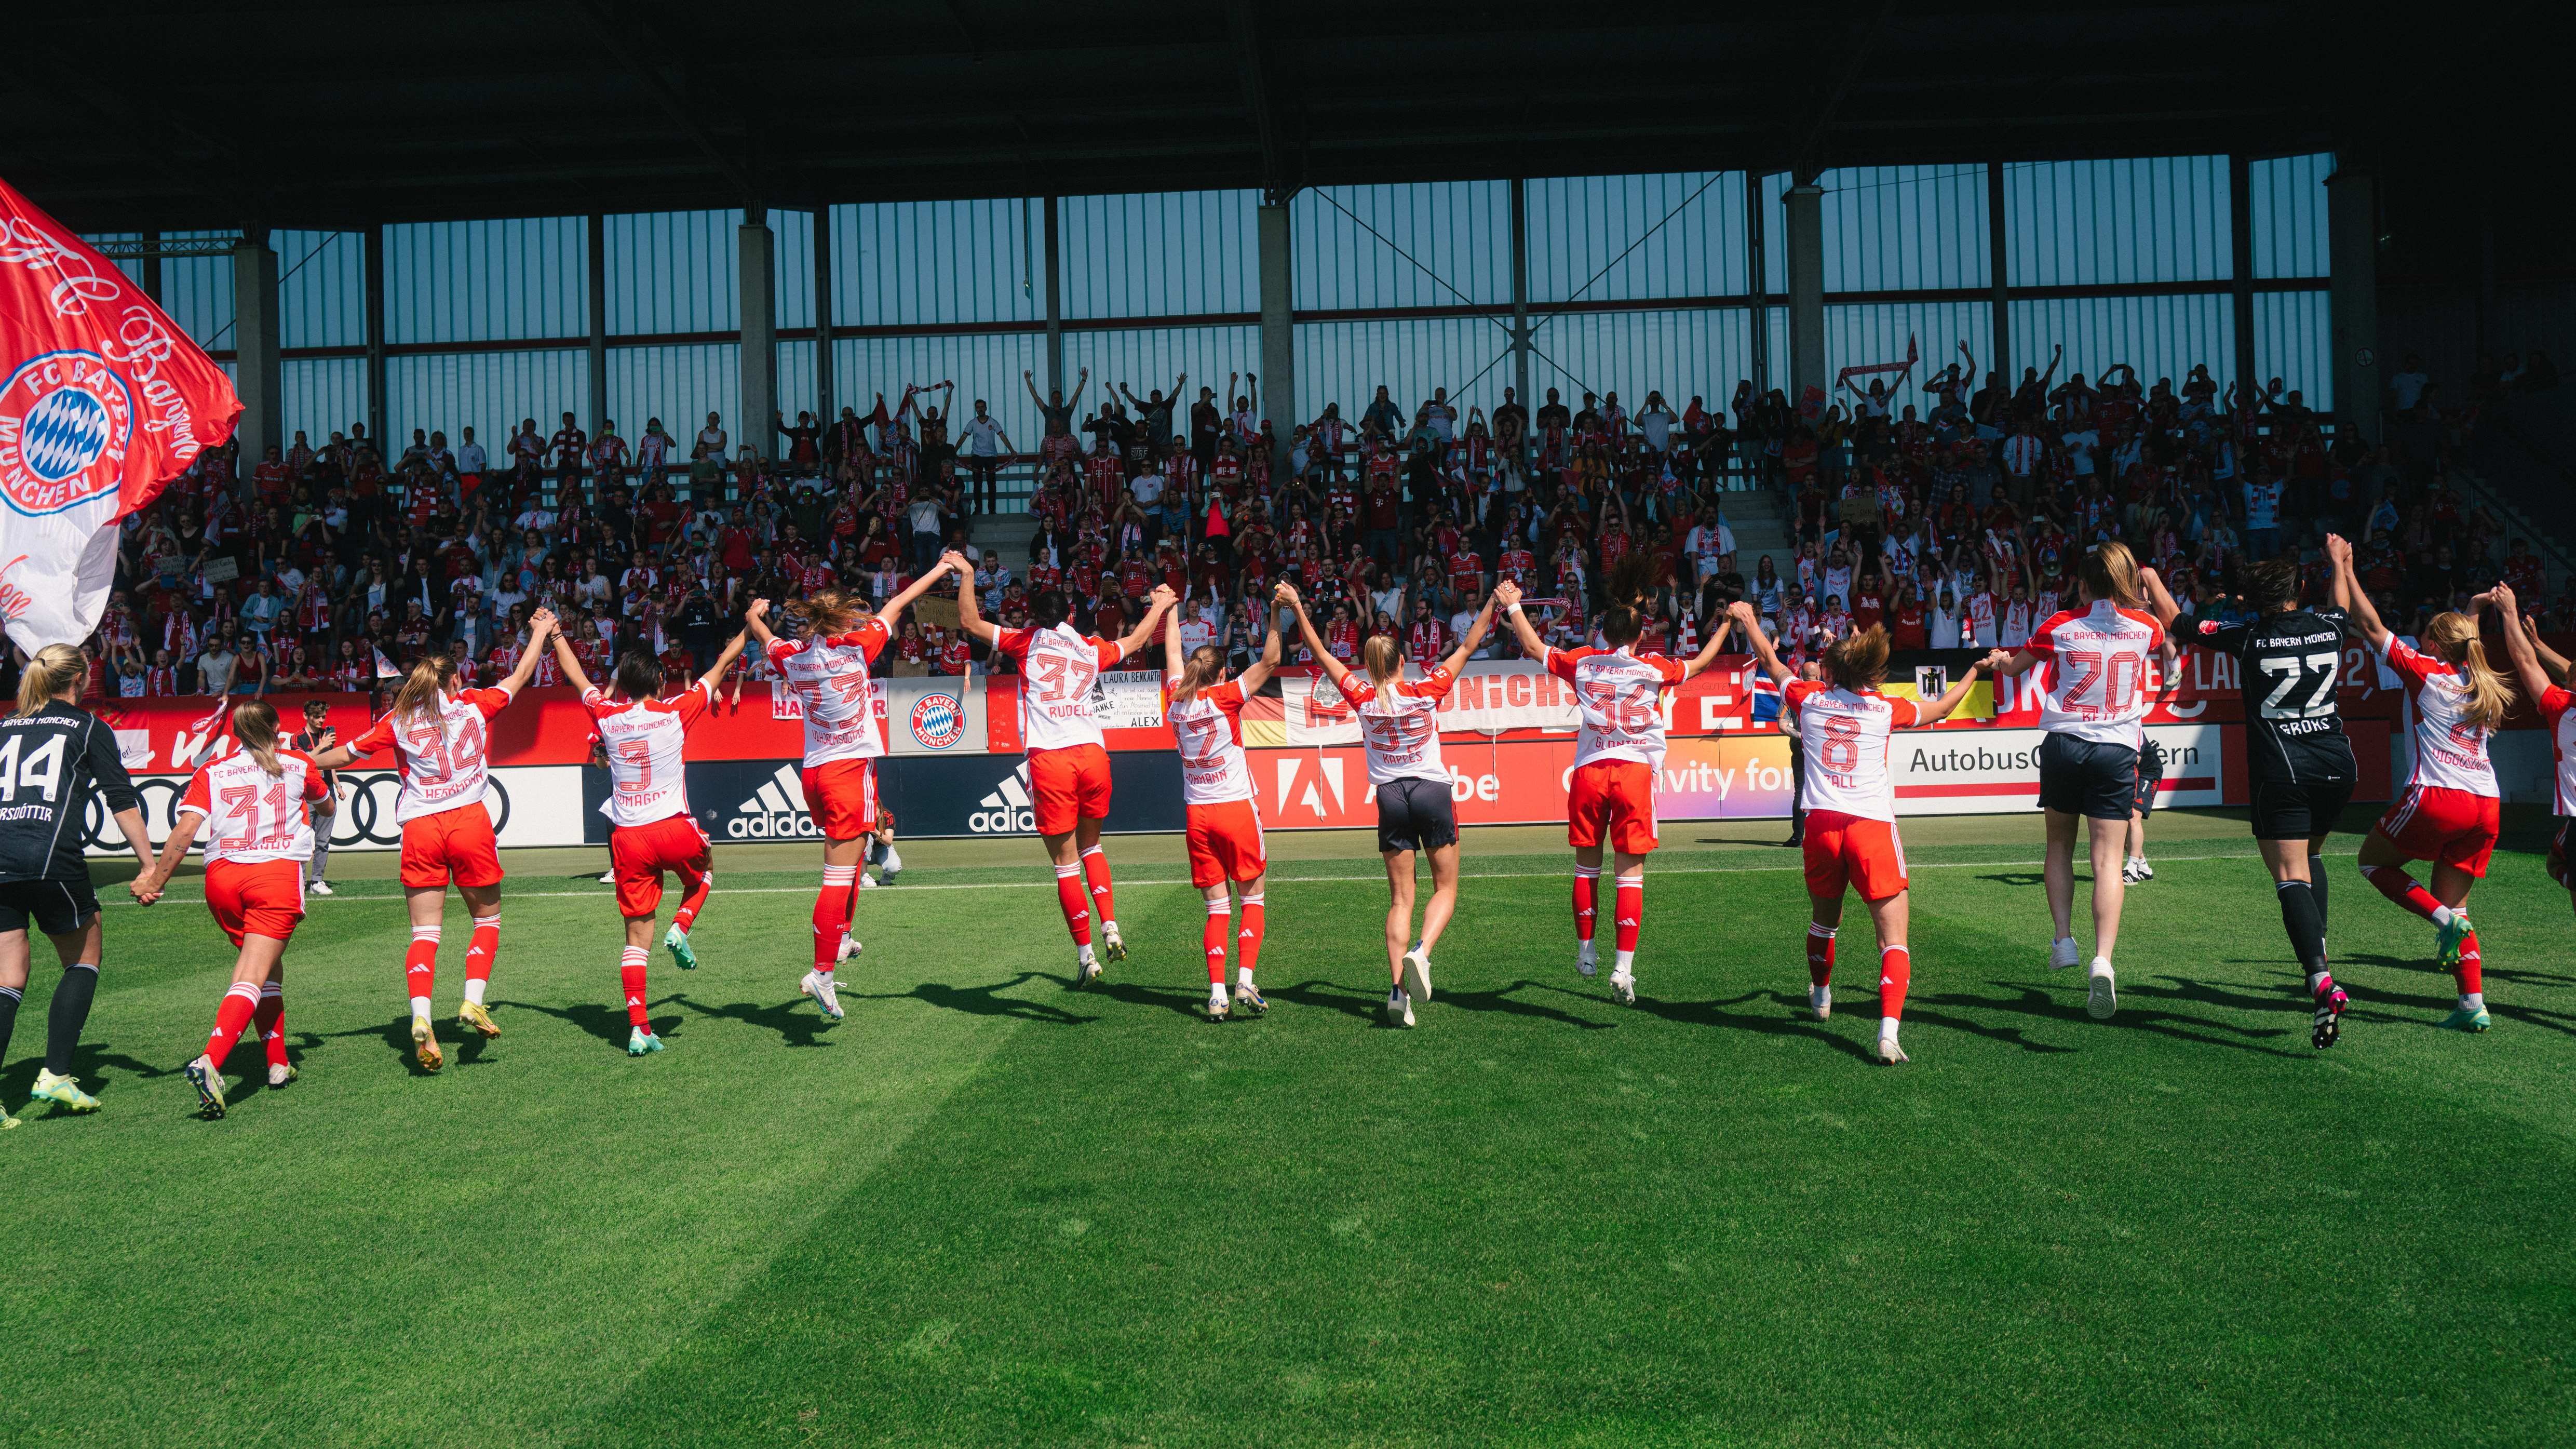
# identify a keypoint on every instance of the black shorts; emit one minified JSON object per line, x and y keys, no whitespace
{"x":2083,"y":777}
{"x":1415,"y":815}
{"x":2149,"y":759}
{"x":2298,"y":811}
{"x":59,"y":907}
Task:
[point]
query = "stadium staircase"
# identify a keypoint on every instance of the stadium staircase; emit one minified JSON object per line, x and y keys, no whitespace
{"x":2522,"y":467}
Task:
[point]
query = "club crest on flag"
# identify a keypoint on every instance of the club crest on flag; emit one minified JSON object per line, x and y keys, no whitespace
{"x":65,"y":420}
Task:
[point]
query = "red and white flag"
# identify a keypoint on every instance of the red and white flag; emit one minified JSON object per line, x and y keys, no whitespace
{"x":104,"y":402}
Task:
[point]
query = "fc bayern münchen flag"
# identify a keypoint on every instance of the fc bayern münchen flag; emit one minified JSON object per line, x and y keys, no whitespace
{"x":105,"y":402}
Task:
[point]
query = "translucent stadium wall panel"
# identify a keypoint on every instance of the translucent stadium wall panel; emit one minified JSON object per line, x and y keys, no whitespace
{"x":321,"y":288}
{"x":1686,"y":230}
{"x":674,"y":271}
{"x":985,"y":365}
{"x":2294,"y":341}
{"x":1681,"y":353}
{"x":1775,"y":236}
{"x":681,"y":384}
{"x":133,"y":269}
{"x":1460,"y":232}
{"x":1345,"y":362}
{"x":1148,"y":357}
{"x":791,"y":268}
{"x":491,"y":391}
{"x":326,"y":395}
{"x":487,"y":281}
{"x":1875,"y":333}
{"x":197,"y":292}
{"x":929,"y":263}
{"x":1776,"y":345}
{"x":2286,"y":206}
{"x":1160,"y":254}
{"x":2077,"y":223}
{"x":1891,"y":228}
{"x":795,"y":381}
{"x":2161,"y":336}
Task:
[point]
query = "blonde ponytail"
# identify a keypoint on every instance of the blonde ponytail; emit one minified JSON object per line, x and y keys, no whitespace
{"x":55,"y":668}
{"x":418,"y":697}
{"x":2455,"y":638}
{"x":255,"y":725}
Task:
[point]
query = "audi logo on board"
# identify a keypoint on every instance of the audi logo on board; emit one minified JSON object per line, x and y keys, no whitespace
{"x":366,"y":816}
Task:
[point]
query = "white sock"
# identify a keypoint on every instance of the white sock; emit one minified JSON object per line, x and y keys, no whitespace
{"x":2101,"y":966}
{"x":1625,"y":960}
{"x":474,"y":990}
{"x":1887,"y":1028}
{"x":1589,"y":952}
{"x":1110,"y":927}
{"x":2474,"y":1001}
{"x":2442,"y":916}
{"x":1082,"y":953}
{"x":420,"y":1006}
{"x":1243,"y":976}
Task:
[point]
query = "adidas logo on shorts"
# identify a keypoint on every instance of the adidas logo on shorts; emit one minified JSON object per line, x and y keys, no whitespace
{"x":774,"y":812}
{"x":1009,"y":810}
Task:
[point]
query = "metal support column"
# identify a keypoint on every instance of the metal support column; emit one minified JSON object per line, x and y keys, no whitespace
{"x":759,"y":336}
{"x":2352,"y":240}
{"x":152,"y":266}
{"x":1278,"y":400}
{"x":598,"y":271}
{"x":1804,"y":206}
{"x":259,"y":374}
{"x":497,"y":444}
{"x":1520,"y":308}
{"x":1054,"y":304}
{"x":824,"y":412}
{"x":1999,"y":262}
{"x":1757,"y":271}
{"x":2240,"y":245}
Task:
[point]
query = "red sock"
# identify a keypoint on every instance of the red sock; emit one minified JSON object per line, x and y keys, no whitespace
{"x":485,"y":945}
{"x":832,"y":914}
{"x":1220,"y":924}
{"x":1586,"y":882}
{"x":1630,"y":904}
{"x":1077,"y":904}
{"x":2469,"y":970}
{"x":1895,"y":973}
{"x":270,"y":1018}
{"x":1095,"y":869}
{"x":1247,"y":942}
{"x":697,"y":884}
{"x":2398,"y":886}
{"x":230,"y":1018}
{"x":630,"y":975}
{"x":420,"y":963}
{"x":1820,"y":954}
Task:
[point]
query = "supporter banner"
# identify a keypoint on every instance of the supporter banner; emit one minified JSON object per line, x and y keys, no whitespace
{"x":1491,"y":696}
{"x":1129,"y":699}
{"x":529,"y":805}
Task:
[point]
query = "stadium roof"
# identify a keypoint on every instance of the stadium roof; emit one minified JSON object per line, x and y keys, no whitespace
{"x":174,"y":114}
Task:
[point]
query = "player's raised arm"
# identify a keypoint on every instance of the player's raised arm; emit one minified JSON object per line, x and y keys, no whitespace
{"x":541,"y":625}
{"x":1742,"y":613}
{"x":967,"y":618}
{"x":570,"y":663}
{"x":1708,"y":652}
{"x":1163,"y":600}
{"x":1175,"y":664}
{"x":755,"y":621}
{"x":1475,"y":635}
{"x":2160,"y":603}
{"x":1507,"y":597}
{"x":724,"y":661}
{"x":1334,"y":669}
{"x":2550,"y":659}
{"x":904,"y":597}
{"x":1258,"y":672}
{"x":2364,"y":613}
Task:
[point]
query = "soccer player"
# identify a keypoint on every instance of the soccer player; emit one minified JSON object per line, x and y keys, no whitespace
{"x":2289,"y":658}
{"x":1414,"y":809}
{"x":1205,"y":710}
{"x":648,"y":806}
{"x":2094,"y":697}
{"x":1068,"y":765}
{"x":2544,"y":673}
{"x":59,"y":756}
{"x":439,"y":733}
{"x":837,"y":637}
{"x":1843,"y":725}
{"x":255,"y":862}
{"x":1618,"y":756}
{"x":2448,"y":812}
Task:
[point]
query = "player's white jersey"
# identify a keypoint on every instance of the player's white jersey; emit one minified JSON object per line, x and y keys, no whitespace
{"x":842,"y":704}
{"x":1400,"y":725}
{"x":443,"y":759}
{"x":1845,"y":739}
{"x":1620,"y":697}
{"x":2450,"y":752}
{"x":2097,"y":664}
{"x":1208,"y":728}
{"x":252,"y":816}
{"x":644,"y":741}
{"x":1057,"y":670}
{"x":2562,"y":740}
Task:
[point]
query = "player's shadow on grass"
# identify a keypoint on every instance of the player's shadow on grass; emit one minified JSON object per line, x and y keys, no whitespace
{"x":466,"y":1051}
{"x":608,"y":1023}
{"x":2430,"y":1009}
{"x":1192,"y":1004}
{"x":1333,"y":996}
{"x":1502,"y":1001}
{"x":2031,"y":878}
{"x":985,"y":1000}
{"x":1713,"y":1013}
{"x":798,"y":1023}
{"x":2035,"y":1001}
{"x":91,"y":1064}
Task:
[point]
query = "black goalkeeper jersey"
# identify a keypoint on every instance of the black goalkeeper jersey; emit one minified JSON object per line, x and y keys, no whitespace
{"x":2289,"y":664}
{"x":51,"y":763}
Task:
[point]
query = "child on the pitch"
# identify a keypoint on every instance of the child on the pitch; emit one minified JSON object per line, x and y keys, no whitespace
{"x":1205,"y":711}
{"x":1843,"y":728}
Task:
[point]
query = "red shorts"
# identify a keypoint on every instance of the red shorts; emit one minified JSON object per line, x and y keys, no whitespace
{"x":640,"y":853}
{"x":454,"y":842}
{"x":264,"y":898}
{"x":2446,"y":827}
{"x":1225,"y":843}
{"x":1613,"y":800}
{"x":1850,"y":850}
{"x":1070,"y":785}
{"x":841,"y":795}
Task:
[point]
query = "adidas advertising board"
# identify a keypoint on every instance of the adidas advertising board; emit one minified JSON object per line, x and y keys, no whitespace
{"x":973,"y":795}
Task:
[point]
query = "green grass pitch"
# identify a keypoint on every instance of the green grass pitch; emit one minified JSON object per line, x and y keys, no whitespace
{"x":987,"y":1209}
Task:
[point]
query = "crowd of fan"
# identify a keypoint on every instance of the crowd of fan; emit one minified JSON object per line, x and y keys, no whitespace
{"x":1947,"y":509}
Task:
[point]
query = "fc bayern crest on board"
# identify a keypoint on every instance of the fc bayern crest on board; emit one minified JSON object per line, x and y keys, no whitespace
{"x":66,"y":419}
{"x":938,"y":721}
